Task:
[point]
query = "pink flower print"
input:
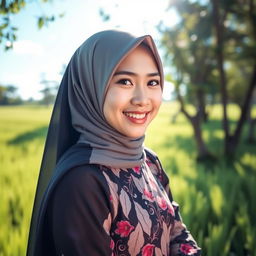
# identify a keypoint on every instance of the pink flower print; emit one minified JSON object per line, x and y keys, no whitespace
{"x":124,"y":228}
{"x":111,"y":198}
{"x":148,"y":250}
{"x":187,"y":249}
{"x":149,"y":196}
{"x":136,"y":169}
{"x":112,"y":244}
{"x":161,"y":202}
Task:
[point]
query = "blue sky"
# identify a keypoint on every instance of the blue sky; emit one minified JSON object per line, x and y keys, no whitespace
{"x":42,"y":53}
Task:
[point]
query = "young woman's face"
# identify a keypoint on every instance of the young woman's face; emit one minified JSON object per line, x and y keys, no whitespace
{"x":134,"y":94}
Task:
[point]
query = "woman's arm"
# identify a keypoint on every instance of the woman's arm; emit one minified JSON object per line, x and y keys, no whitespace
{"x":182,"y":242}
{"x":78,"y":209}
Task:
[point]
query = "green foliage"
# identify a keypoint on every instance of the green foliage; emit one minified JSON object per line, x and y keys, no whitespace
{"x":8,"y":33}
{"x":217,"y":201}
{"x":21,"y":150}
{"x":191,"y":50}
{"x":105,"y":17}
{"x":8,"y":95}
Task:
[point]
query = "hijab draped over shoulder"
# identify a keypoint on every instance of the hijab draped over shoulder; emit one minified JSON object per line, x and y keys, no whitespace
{"x":78,"y":132}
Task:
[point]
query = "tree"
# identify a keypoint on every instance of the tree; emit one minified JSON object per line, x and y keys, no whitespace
{"x":252,"y":127}
{"x":243,"y":11}
{"x":9,"y":96}
{"x":8,"y":32}
{"x":189,"y":51}
{"x":49,"y":91}
{"x":213,"y":43}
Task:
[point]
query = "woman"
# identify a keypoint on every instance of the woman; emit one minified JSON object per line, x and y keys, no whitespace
{"x":100,"y":192}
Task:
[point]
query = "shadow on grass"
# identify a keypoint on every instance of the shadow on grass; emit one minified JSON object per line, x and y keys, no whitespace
{"x":186,"y":145}
{"x":212,"y":130}
{"x":39,"y":133}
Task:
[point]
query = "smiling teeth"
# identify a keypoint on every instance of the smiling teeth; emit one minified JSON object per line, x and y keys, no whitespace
{"x":136,"y":116}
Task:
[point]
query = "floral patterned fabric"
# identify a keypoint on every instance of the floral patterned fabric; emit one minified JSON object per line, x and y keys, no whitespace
{"x":118,"y":212}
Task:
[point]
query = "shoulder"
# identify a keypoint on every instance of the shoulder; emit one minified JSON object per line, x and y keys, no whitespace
{"x":156,"y":166}
{"x":150,"y":153}
{"x":152,"y":158}
{"x":87,"y":177}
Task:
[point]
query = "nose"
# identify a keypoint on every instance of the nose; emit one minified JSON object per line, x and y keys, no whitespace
{"x":140,"y":96}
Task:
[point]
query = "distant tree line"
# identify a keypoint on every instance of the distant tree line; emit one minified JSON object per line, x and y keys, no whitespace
{"x":9,"y":95}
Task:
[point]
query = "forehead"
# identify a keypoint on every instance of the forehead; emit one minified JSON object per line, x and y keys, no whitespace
{"x":140,"y":57}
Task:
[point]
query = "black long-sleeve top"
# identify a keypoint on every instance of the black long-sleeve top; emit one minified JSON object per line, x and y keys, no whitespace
{"x":107,"y":211}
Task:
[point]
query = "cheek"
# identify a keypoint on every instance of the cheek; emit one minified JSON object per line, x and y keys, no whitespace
{"x":114,"y":101}
{"x":157,"y":100}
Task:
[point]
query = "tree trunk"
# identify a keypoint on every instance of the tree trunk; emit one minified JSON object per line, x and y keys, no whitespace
{"x":233,"y":140}
{"x":201,"y":105}
{"x":202,"y":150}
{"x":175,"y":116}
{"x":251,"y":134}
{"x":218,"y":23}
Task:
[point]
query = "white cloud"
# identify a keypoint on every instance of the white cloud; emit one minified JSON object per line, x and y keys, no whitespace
{"x":28,"y":84}
{"x":25,"y":47}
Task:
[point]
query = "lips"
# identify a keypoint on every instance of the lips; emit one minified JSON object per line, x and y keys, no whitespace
{"x":136,"y":117}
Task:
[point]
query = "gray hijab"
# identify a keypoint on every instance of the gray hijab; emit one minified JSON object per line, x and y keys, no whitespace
{"x":90,"y":71}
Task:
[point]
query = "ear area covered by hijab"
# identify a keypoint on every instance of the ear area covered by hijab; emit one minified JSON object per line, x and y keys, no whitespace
{"x":78,"y":132}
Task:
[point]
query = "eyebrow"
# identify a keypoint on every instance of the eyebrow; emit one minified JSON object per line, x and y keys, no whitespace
{"x":124,"y":72}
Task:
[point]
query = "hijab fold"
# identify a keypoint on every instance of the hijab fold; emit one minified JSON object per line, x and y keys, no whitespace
{"x":78,"y":118}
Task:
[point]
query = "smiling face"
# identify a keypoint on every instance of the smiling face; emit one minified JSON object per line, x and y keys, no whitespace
{"x":134,"y":94}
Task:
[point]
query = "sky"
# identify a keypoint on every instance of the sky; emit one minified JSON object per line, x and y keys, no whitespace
{"x":41,"y":54}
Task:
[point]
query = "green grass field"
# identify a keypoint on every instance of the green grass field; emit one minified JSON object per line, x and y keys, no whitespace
{"x":217,"y":200}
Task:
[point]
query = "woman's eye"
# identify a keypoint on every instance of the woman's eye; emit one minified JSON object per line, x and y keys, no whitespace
{"x":153,"y":83}
{"x":124,"y":82}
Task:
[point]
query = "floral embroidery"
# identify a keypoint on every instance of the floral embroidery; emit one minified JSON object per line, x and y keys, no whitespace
{"x":187,"y":249}
{"x":148,"y":250}
{"x":124,"y":228}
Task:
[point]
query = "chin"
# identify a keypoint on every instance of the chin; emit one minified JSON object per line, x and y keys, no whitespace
{"x":135,"y":135}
